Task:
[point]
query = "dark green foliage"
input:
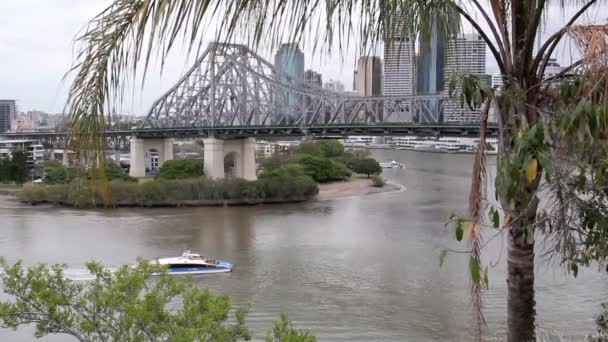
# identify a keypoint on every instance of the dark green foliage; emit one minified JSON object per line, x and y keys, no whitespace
{"x":14,"y":169}
{"x":181,"y":169}
{"x":5,"y":175}
{"x":53,"y":172}
{"x":324,"y":169}
{"x":378,"y":181}
{"x":284,"y":331}
{"x":284,"y":184}
{"x":366,"y":166}
{"x":125,"y":305}
{"x":322,"y":148}
{"x":114,"y":171}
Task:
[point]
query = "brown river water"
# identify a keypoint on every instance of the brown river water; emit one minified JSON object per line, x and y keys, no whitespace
{"x":362,"y":268}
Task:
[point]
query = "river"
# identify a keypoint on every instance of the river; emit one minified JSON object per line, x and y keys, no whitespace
{"x":352,"y":269}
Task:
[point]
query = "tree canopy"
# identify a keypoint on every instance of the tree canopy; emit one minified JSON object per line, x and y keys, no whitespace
{"x":181,"y":169}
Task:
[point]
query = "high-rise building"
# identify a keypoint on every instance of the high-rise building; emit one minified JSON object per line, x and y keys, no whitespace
{"x":399,"y":69}
{"x":8,"y":112}
{"x":289,"y":63}
{"x":334,"y":85}
{"x":465,"y":55}
{"x":399,"y":74}
{"x":369,"y":76}
{"x":430,"y":62}
{"x":313,"y":78}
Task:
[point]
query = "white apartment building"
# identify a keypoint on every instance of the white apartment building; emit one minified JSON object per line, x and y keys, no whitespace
{"x":399,"y":74}
{"x":399,"y":69}
{"x":266,"y":149}
{"x":465,"y":55}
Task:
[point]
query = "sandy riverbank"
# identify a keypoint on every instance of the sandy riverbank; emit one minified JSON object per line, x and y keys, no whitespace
{"x":353,"y":187}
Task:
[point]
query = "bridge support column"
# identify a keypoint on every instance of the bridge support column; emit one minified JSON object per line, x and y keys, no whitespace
{"x":137,"y":167}
{"x":249,"y":172}
{"x":141,"y":155}
{"x":238,"y":153}
{"x":214,"y":157}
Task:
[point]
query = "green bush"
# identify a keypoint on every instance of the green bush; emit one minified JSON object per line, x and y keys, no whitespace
{"x":114,"y":171}
{"x":366,"y":166}
{"x":181,"y":169}
{"x":54,"y":172}
{"x":321,"y":148}
{"x":288,"y":183}
{"x":378,"y":181}
{"x":324,"y":169}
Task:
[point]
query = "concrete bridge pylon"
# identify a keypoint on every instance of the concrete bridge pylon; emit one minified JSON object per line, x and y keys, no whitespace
{"x":232,"y":157}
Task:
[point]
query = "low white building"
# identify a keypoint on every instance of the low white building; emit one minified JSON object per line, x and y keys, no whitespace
{"x":266,"y":149}
{"x":35,"y":151}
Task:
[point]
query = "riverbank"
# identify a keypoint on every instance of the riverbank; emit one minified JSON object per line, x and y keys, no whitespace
{"x":353,"y":187}
{"x":328,"y":191}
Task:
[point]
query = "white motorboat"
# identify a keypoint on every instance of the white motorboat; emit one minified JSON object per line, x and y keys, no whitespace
{"x":392,"y":165}
{"x":193,"y":263}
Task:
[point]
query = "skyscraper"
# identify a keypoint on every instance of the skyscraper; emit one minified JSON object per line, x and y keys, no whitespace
{"x":369,"y":76}
{"x":399,"y":69}
{"x":399,"y":74}
{"x":289,"y":63}
{"x":8,"y":112}
{"x":430,"y":63}
{"x":465,"y":55}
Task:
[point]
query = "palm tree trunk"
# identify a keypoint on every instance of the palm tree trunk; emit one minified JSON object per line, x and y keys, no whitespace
{"x":520,"y":281}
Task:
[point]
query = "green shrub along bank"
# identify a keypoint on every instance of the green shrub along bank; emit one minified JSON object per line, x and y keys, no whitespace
{"x":14,"y":169}
{"x":54,"y":172}
{"x":181,"y":169}
{"x":285,"y":184}
{"x":325,"y":161}
{"x":324,"y":169}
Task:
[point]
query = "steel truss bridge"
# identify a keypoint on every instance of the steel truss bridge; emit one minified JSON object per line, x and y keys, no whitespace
{"x":231,"y":92}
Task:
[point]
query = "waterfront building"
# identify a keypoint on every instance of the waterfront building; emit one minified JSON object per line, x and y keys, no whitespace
{"x":465,"y":55}
{"x":34,"y":150}
{"x":266,"y":149}
{"x":8,"y":112}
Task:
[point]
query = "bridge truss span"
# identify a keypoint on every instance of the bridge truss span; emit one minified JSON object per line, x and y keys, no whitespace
{"x":232,"y":86}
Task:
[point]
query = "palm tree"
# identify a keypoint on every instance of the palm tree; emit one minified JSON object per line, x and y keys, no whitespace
{"x":129,"y":31}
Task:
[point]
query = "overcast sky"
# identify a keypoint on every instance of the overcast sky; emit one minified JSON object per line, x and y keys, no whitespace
{"x":36,"y":38}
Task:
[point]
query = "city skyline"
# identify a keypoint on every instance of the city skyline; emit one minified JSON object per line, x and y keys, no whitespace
{"x":39,"y":86}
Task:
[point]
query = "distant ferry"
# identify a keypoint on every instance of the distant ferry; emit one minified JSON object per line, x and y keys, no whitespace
{"x":443,"y":145}
{"x":392,"y":164}
{"x":193,"y":263}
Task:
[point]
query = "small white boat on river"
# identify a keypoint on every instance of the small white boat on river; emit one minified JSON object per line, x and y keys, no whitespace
{"x":392,"y":165}
{"x":193,"y":263}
